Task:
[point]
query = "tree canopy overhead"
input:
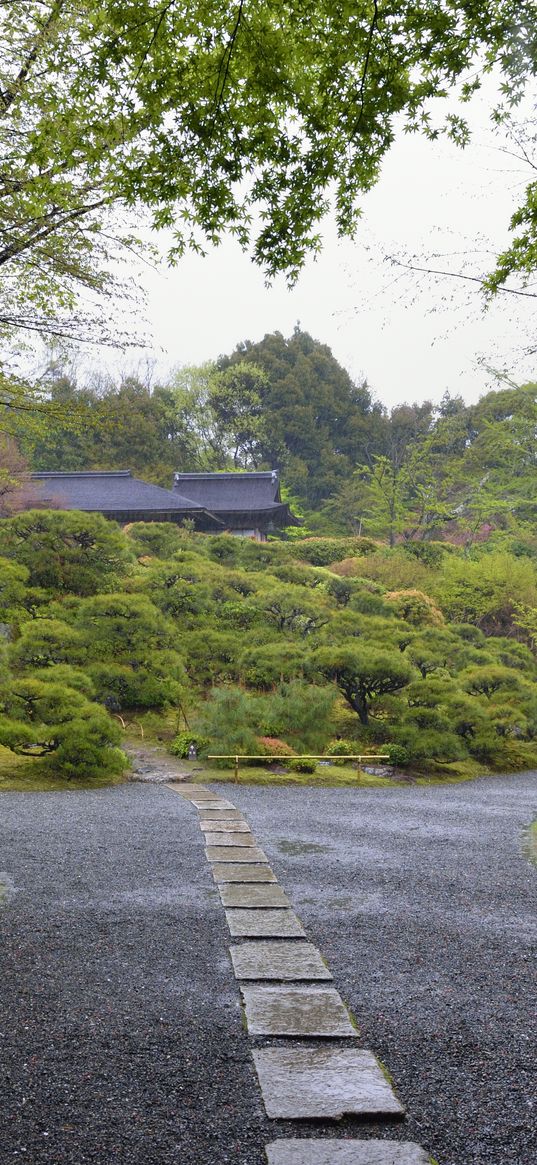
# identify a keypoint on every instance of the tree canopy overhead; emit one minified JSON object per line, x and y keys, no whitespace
{"x":250,"y":118}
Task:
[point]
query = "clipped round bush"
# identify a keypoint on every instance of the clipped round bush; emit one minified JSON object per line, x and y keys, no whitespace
{"x":184,"y":740}
{"x":302,"y":765}
{"x":273,"y":746}
{"x":416,"y":607}
{"x":341,"y":749}
{"x":398,"y":755}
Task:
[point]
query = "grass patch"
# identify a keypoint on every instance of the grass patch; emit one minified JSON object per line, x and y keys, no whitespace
{"x":25,"y":774}
{"x":330,"y":775}
{"x":435,"y":773}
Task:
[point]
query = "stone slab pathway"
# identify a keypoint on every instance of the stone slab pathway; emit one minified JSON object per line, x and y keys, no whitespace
{"x":278,"y":959}
{"x":230,"y":872}
{"x":234,"y":853}
{"x":215,"y":804}
{"x":235,"y":826}
{"x":240,"y":839}
{"x":264,"y":923}
{"x":300,"y":1083}
{"x":253,"y":896}
{"x":194,"y":793}
{"x":220,"y":815}
{"x":296,"y":1011}
{"x":306,"y":1152}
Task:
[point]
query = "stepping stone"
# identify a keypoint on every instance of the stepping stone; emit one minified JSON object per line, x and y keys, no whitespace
{"x":254,"y":896}
{"x":213,"y":804}
{"x":264,"y":924}
{"x":243,"y":873}
{"x":278,"y":960}
{"x":345,"y":1153}
{"x":299,"y":1083}
{"x":242,"y":839}
{"x":296,"y":1011}
{"x":225,"y":826}
{"x":207,"y":815}
{"x":234,"y":853}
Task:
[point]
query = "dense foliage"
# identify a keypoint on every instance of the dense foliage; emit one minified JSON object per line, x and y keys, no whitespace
{"x":250,"y":119}
{"x":271,"y":649}
{"x":453,"y":472}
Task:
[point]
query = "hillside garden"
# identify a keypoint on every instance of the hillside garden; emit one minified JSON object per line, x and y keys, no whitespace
{"x":424,"y":651}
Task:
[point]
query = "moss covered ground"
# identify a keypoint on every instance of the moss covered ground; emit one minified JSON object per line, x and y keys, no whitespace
{"x":23,"y":774}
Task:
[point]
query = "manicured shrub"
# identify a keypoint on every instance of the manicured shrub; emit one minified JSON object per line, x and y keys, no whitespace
{"x":415,"y":607}
{"x":68,"y":677}
{"x":182,"y":743}
{"x":88,"y":748}
{"x":66,"y":551}
{"x":120,"y":687}
{"x":161,"y":539}
{"x":341,"y":749}
{"x":430,"y":553}
{"x":269,"y":664}
{"x":273,"y":746}
{"x":398,"y":755}
{"x":47,"y":641}
{"x":323,"y":551}
{"x":302,"y":765}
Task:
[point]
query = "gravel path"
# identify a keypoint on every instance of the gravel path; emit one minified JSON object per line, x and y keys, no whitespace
{"x":119,"y":1015}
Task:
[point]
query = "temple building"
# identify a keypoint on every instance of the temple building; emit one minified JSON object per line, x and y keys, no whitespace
{"x":247,"y":504}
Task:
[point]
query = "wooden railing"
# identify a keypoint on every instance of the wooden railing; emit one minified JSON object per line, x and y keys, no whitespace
{"x":237,"y":757}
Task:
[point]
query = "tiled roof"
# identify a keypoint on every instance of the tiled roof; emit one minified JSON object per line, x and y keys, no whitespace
{"x":231,"y":491}
{"x":109,"y":492}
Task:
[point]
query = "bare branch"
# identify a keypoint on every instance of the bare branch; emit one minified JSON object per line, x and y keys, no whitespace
{"x":458,"y":275}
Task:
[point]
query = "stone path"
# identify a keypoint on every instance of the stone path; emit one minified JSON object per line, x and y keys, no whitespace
{"x":315,"y":1069}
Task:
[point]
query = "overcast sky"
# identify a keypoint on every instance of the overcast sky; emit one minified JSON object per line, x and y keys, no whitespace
{"x":411,"y":336}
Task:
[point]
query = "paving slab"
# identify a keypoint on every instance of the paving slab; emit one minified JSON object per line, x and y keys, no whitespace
{"x":301,"y":1083}
{"x":296,"y":1011}
{"x":220,"y":815}
{"x":264,"y":924}
{"x":225,"y":826}
{"x":345,"y":1153}
{"x":194,"y":792}
{"x":234,"y":853}
{"x":213,"y":804}
{"x":254,"y":896}
{"x":240,"y":839}
{"x":282,"y":959}
{"x":230,"y":872}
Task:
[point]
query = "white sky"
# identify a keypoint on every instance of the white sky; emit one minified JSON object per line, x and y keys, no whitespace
{"x":411,"y":336}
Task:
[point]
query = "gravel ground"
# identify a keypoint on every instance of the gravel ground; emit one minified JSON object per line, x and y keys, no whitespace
{"x":120,"y":1024}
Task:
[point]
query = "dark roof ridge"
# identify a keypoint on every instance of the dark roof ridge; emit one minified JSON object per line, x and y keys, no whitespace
{"x":231,"y":473}
{"x":82,"y":473}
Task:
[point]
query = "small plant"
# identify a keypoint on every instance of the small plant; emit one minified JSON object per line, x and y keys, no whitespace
{"x":341,"y":748}
{"x":273,"y":746}
{"x":184,"y":740}
{"x":302,"y":765}
{"x":398,"y":755}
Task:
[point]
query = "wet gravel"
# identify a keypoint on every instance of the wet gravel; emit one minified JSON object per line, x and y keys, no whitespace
{"x":120,"y":1023}
{"x":425,"y":906}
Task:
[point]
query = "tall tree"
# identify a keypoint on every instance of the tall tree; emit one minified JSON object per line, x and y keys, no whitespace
{"x":317,"y":422}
